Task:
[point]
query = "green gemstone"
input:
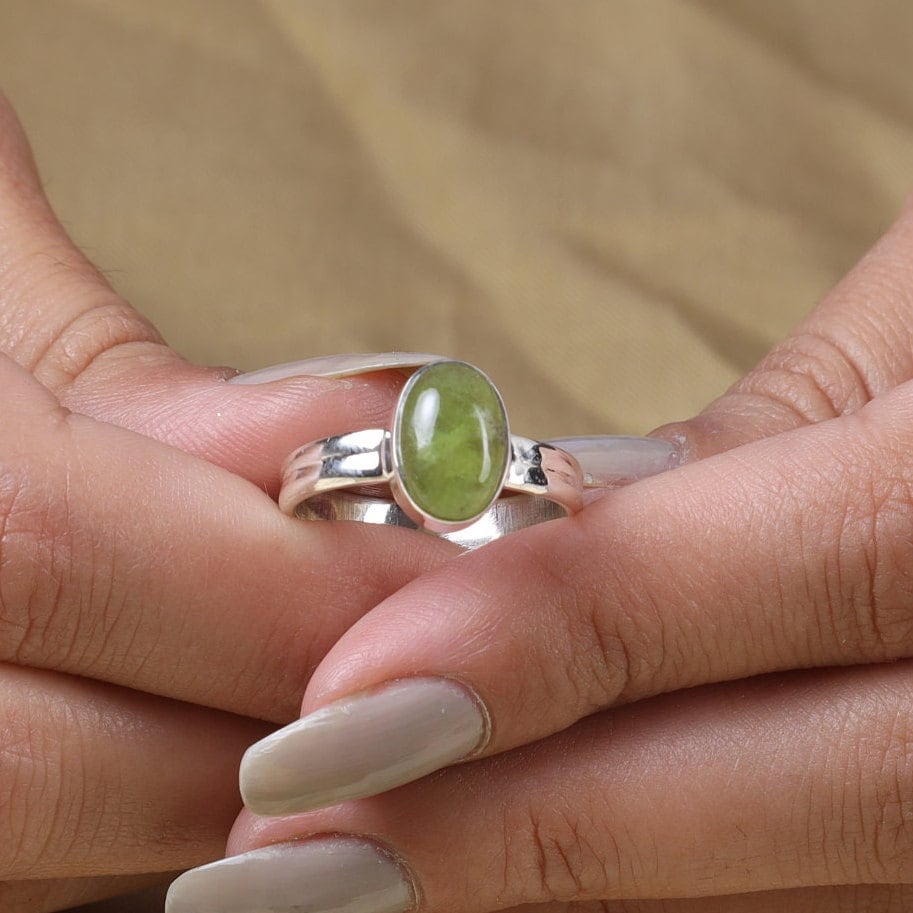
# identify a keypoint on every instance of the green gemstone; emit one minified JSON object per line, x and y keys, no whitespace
{"x":451,"y":441}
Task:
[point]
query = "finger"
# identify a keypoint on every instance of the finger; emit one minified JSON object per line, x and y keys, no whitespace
{"x":61,"y":320}
{"x":99,"y":781}
{"x":843,"y":899}
{"x":46,"y":895}
{"x":248,"y":430}
{"x":772,"y":784}
{"x":56,"y":310}
{"x":856,"y":344}
{"x":131,"y":562}
{"x":790,"y":552}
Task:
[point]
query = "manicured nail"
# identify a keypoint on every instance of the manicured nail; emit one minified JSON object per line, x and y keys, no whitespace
{"x":362,"y":745}
{"x":611,"y":460}
{"x":336,"y":366}
{"x":323,"y":875}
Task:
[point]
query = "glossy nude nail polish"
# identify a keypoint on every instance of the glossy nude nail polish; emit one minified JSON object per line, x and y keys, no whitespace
{"x":362,"y":745}
{"x":346,"y":365}
{"x":322,"y":875}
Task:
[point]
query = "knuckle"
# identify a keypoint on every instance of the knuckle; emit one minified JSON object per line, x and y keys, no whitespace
{"x":103,"y":327}
{"x":867,"y":581}
{"x":33,"y":548}
{"x":626,"y":652}
{"x":29,"y":791}
{"x":887,"y":597}
{"x":51,"y":569}
{"x":892,"y":833}
{"x":23,"y":556}
{"x":596,"y":647}
{"x":873,"y":801}
{"x":810,"y":375}
{"x":555,"y":858}
{"x":54,"y":789}
{"x":627,"y":645}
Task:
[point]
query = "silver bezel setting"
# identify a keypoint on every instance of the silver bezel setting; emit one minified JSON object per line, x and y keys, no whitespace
{"x":398,"y":487}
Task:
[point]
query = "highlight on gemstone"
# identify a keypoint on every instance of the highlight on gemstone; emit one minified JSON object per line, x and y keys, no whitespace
{"x":451,"y":441}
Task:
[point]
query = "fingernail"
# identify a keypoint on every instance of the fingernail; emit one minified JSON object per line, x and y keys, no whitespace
{"x":323,"y":875}
{"x":362,"y":745}
{"x":336,"y":366}
{"x":611,"y":460}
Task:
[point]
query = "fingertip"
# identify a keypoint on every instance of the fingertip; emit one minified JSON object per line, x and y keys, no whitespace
{"x":246,"y":832}
{"x":17,"y":161}
{"x":702,"y":436}
{"x":736,"y":418}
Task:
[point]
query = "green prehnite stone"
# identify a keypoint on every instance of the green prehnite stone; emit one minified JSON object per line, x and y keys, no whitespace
{"x":452,"y":441}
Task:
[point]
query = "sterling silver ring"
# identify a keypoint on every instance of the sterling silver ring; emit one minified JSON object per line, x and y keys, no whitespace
{"x":507,"y":515}
{"x":446,"y":459}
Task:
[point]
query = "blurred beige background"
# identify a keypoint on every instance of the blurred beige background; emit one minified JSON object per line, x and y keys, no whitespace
{"x":613,"y":207}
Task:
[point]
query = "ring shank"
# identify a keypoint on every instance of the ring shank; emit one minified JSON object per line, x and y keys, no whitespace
{"x":363,"y":458}
{"x":507,"y":515}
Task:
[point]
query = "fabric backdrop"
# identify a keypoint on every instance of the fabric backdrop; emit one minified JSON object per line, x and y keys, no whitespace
{"x":612,"y":206}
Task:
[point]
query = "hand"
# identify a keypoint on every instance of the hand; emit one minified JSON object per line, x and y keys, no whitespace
{"x":154,"y":608}
{"x":623,"y":684}
{"x":62,"y":322}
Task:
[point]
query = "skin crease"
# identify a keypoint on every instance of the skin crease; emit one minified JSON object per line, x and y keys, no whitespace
{"x":72,"y":344}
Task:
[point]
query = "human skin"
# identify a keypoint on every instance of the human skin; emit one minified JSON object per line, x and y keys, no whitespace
{"x":157,"y":612}
{"x":697,"y":690}
{"x":109,"y":777}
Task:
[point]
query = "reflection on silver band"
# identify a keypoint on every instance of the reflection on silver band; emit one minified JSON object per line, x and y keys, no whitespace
{"x":506,"y":515}
{"x":363,"y":458}
{"x":370,"y":476}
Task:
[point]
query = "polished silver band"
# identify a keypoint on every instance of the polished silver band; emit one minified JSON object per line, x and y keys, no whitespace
{"x":506,"y":515}
{"x":364,"y":476}
{"x":364,"y":458}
